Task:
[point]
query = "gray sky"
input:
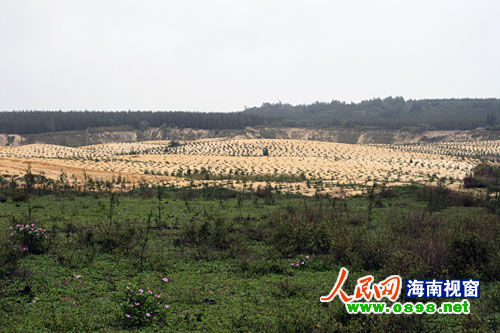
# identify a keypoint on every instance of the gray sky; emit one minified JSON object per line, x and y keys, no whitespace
{"x":224,"y":55}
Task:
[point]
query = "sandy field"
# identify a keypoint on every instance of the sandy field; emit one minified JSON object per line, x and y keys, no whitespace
{"x":488,"y":148}
{"x":325,"y":167}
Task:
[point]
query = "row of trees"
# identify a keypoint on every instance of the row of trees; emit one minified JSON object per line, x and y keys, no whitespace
{"x":31,"y":122}
{"x":389,"y":113}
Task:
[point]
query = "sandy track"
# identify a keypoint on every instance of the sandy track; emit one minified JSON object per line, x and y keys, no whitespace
{"x":52,"y":169}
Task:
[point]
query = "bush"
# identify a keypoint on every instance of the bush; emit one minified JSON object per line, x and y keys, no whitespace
{"x":436,"y":197}
{"x":440,"y":197}
{"x":123,"y":237}
{"x":19,"y":196}
{"x":141,"y":307}
{"x":28,"y":238}
{"x":266,"y":193}
{"x":483,"y":175}
{"x":467,"y":253}
{"x":173,"y":144}
{"x":214,"y":233}
{"x":303,"y":230}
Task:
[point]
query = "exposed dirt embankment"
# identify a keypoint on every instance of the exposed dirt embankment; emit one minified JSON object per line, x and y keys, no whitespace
{"x":341,"y":135}
{"x":10,"y":139}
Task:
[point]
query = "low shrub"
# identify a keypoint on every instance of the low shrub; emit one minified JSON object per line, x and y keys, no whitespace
{"x":141,"y":307}
{"x":115,"y":237}
{"x":297,"y":230}
{"x":28,"y":238}
{"x":466,"y":254}
{"x":440,"y":197}
{"x":266,"y":193}
{"x":213,"y":232}
{"x":301,"y":262}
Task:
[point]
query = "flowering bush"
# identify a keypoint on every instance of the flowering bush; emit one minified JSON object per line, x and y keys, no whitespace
{"x":142,"y":306}
{"x":300,"y":262}
{"x":27,"y":238}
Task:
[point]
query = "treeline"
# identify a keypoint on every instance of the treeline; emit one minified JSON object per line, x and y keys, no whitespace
{"x":389,"y":113}
{"x":32,"y":122}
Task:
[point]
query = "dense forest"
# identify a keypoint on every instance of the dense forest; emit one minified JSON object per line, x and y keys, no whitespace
{"x":389,"y":113}
{"x":31,"y":122}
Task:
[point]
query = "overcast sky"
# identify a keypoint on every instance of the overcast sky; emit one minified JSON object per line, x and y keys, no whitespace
{"x":225,"y":55}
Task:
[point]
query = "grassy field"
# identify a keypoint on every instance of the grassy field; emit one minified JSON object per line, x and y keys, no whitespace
{"x":227,"y":257}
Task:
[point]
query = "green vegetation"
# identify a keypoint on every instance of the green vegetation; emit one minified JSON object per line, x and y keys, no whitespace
{"x":389,"y":113}
{"x":265,"y":151}
{"x":484,"y":175}
{"x":240,"y":175}
{"x":233,"y":260}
